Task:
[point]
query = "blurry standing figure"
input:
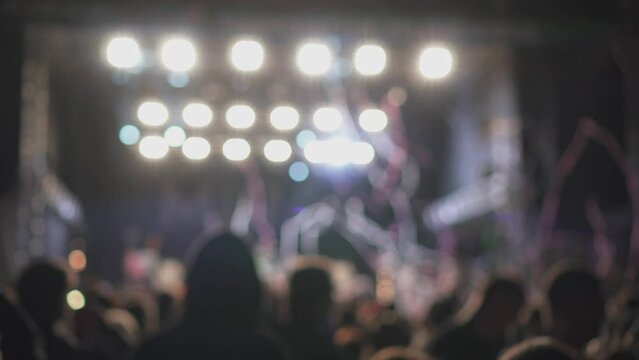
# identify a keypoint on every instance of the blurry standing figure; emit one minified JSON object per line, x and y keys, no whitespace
{"x":576,"y":304}
{"x":42,"y":290}
{"x":479,"y":331}
{"x":221,"y":309}
{"x":309,"y":331}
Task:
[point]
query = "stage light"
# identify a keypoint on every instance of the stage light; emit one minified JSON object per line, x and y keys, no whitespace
{"x":435,"y":63}
{"x":298,"y":171}
{"x":373,"y":120}
{"x":123,"y":52}
{"x":75,"y":300}
{"x":178,"y":54}
{"x":77,"y":260}
{"x":304,"y":138}
{"x":153,"y":113}
{"x":361,"y":153}
{"x":333,"y":151}
{"x":129,"y":135}
{"x":327,"y":119}
{"x":314,"y":59}
{"x":284,"y":118}
{"x":153,"y":147}
{"x":197,"y":115}
{"x":236,"y":149}
{"x":370,"y":60}
{"x":240,"y":116}
{"x":336,"y":151}
{"x":174,"y":136}
{"x":277,"y":151}
{"x":247,"y":55}
{"x":196,"y":148}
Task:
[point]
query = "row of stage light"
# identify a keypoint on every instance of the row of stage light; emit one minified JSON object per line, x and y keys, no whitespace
{"x":241,"y":116}
{"x":178,"y":54}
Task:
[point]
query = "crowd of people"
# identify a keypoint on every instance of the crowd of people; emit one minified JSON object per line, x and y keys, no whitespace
{"x":227,"y":313}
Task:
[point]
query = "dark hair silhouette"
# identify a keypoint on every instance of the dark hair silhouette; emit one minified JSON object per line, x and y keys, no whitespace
{"x":41,"y":291}
{"x":541,"y":348}
{"x":310,"y":294}
{"x":223,"y":287}
{"x":576,"y":305}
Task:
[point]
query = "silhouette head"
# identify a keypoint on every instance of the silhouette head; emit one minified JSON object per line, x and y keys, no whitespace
{"x":576,"y":305}
{"x":494,"y":308}
{"x":310,"y":293}
{"x":41,"y":290}
{"x":223,"y":289}
{"x":541,"y":348}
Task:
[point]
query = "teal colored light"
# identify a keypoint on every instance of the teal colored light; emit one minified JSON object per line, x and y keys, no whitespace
{"x":298,"y":171}
{"x":304,"y":137}
{"x":129,"y":135}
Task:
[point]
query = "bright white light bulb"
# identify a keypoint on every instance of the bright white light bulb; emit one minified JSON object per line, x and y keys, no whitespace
{"x":123,"y":52}
{"x":174,"y":136}
{"x":178,"y":54}
{"x":240,"y":116}
{"x":435,"y":63}
{"x":373,"y":120}
{"x":314,"y":59}
{"x":196,"y":148}
{"x":153,"y":147}
{"x":361,"y":153}
{"x":247,"y":55}
{"x":153,"y":113}
{"x":278,"y":151}
{"x":75,"y":299}
{"x":236,"y":149}
{"x":327,"y":119}
{"x":370,"y":60}
{"x":197,"y":115}
{"x":284,"y":118}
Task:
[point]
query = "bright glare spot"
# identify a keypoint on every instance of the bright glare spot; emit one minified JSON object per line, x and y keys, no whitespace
{"x":327,"y":119}
{"x":304,"y":138}
{"x":284,"y":118}
{"x":196,"y":148}
{"x":435,"y":63}
{"x":77,"y":260}
{"x":240,"y":116}
{"x":129,"y":135}
{"x":331,"y":152}
{"x":278,"y":150}
{"x":75,"y":299}
{"x":178,"y":54}
{"x":153,"y":147}
{"x":370,"y":60}
{"x":236,"y":149}
{"x":298,"y":171}
{"x":247,"y":55}
{"x":123,"y":52}
{"x":174,"y":136}
{"x":197,"y":115}
{"x":373,"y":120}
{"x":314,"y":59}
{"x":153,"y":113}
{"x":361,"y":153}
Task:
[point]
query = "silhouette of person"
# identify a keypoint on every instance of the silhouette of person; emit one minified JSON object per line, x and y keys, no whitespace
{"x":19,"y":339}
{"x":480,"y":328}
{"x":576,"y":305}
{"x":42,"y":289}
{"x":309,"y":331}
{"x":540,"y":348}
{"x":222,"y":305}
